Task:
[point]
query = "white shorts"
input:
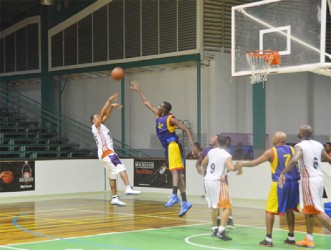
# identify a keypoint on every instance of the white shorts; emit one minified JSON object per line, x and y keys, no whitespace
{"x":212,"y":192}
{"x":113,"y":166}
{"x":311,"y":193}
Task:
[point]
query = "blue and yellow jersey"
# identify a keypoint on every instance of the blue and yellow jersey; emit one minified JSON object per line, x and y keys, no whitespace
{"x":281,"y":156}
{"x":165,"y":131}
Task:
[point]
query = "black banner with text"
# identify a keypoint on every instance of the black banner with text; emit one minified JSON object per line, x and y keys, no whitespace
{"x":17,"y":176}
{"x":152,"y":173}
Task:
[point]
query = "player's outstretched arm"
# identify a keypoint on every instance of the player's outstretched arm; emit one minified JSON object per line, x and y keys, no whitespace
{"x":135,"y":87}
{"x":106,"y":110}
{"x":103,"y":113}
{"x":266,"y":156}
{"x":110,"y":109}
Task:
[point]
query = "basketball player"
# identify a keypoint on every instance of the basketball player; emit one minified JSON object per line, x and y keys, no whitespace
{"x":216,"y":164}
{"x":213,"y":144}
{"x":106,"y":152}
{"x":166,"y":124}
{"x":280,"y":201}
{"x":308,"y":155}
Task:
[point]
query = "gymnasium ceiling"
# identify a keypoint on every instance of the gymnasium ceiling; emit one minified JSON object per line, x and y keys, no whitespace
{"x":13,"y":11}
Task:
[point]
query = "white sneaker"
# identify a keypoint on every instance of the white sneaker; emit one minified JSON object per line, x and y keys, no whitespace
{"x":116,"y":201}
{"x":130,"y":190}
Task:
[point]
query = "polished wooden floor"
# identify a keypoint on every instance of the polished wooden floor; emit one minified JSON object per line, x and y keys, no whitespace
{"x":34,"y":219}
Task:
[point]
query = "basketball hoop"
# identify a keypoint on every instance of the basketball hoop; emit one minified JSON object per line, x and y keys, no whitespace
{"x":259,"y":61}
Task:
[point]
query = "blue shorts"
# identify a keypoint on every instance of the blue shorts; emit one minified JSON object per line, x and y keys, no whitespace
{"x":283,"y":199}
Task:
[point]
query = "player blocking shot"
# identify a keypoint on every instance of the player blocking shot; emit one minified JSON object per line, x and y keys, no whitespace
{"x":166,"y":124}
{"x":106,"y":153}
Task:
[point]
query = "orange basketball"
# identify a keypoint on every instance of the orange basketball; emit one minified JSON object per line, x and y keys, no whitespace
{"x":117,"y":73}
{"x":8,"y":177}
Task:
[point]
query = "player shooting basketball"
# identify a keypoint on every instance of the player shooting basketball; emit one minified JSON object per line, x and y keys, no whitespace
{"x":106,"y":152}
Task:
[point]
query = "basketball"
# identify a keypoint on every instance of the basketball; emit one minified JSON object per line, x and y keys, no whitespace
{"x":8,"y":178}
{"x":117,"y":73}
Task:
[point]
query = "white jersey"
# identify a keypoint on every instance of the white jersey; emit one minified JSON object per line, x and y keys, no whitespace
{"x":310,"y":161}
{"x":216,"y":163}
{"x":103,"y":139}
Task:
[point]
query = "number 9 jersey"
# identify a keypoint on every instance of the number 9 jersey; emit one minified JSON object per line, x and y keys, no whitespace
{"x":216,"y":163}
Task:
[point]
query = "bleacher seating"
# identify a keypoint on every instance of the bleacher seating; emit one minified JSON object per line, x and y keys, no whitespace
{"x":24,"y":139}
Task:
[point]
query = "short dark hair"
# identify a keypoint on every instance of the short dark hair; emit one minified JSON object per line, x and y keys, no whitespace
{"x":167,"y":106}
{"x":222,"y":140}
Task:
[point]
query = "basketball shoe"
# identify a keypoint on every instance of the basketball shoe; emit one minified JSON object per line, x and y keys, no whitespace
{"x":185,"y":207}
{"x":306,"y":243}
{"x":129,"y":190}
{"x":172,"y":201}
{"x":266,"y":243}
{"x":223,"y":236}
{"x":116,"y":201}
{"x":289,"y":242}
{"x":230,"y":223}
{"x":214,"y":232}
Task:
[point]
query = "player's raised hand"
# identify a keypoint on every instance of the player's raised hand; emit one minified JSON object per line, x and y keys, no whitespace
{"x":113,"y":97}
{"x":134,"y":85}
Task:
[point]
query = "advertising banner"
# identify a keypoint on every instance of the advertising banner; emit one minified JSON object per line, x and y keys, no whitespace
{"x":152,"y":173}
{"x":17,"y":176}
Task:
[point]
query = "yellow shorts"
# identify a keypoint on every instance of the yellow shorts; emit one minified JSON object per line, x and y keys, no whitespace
{"x":175,"y":157}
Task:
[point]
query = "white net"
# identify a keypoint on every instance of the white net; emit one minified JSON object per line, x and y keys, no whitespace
{"x":259,"y":62}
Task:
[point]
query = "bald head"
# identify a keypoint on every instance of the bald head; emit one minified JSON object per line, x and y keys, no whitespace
{"x":305,"y":131}
{"x":279,"y":138}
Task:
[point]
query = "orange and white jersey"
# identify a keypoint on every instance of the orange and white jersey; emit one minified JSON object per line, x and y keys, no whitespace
{"x":310,"y":161}
{"x":216,"y":163}
{"x":104,"y":140}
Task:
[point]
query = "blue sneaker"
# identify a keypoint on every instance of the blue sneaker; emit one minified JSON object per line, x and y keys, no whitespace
{"x":172,"y":201}
{"x":185,"y":207}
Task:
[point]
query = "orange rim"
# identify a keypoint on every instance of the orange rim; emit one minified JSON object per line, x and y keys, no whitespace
{"x":270,"y":56}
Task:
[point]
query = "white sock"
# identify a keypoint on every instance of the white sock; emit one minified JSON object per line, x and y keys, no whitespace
{"x":291,"y":238}
{"x":128,"y":187}
{"x":310,"y":237}
{"x":268,"y":239}
{"x":221,"y":229}
{"x":115,"y":196}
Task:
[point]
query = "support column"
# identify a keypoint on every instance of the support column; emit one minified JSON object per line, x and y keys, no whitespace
{"x":199,"y":101}
{"x":47,"y":88}
{"x":123,"y":111}
{"x":259,"y":118}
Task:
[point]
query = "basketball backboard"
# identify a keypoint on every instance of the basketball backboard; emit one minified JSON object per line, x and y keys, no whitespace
{"x":295,"y":28}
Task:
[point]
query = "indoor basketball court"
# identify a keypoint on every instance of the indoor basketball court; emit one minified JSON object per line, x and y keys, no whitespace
{"x":268,"y":38}
{"x":89,"y":222}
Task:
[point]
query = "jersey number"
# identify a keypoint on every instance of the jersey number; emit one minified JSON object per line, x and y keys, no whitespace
{"x":287,"y":158}
{"x":315,"y":163}
{"x":212,"y":168}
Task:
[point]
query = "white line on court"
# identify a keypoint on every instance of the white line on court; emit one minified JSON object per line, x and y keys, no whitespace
{"x":187,"y":240}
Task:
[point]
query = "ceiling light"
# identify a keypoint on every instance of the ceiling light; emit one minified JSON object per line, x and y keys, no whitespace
{"x":46,"y":2}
